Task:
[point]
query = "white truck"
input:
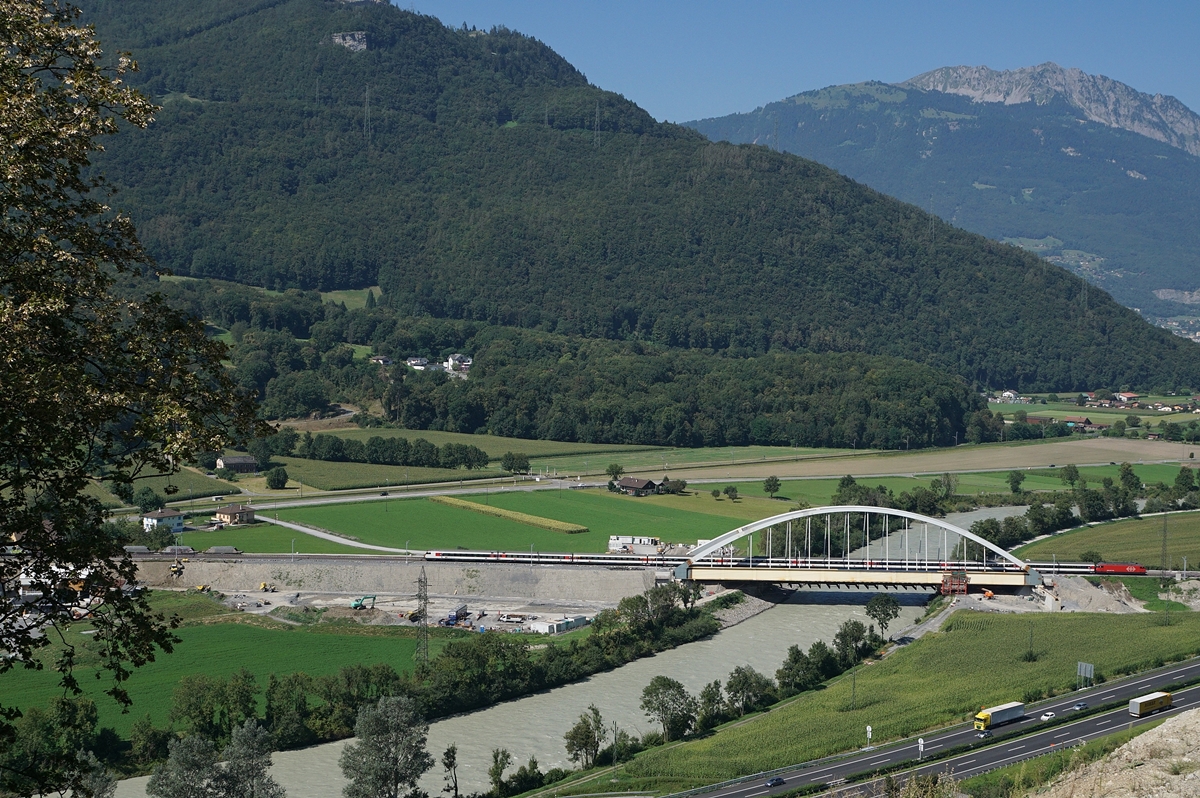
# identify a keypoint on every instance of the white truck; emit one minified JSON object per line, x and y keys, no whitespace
{"x":990,"y":717}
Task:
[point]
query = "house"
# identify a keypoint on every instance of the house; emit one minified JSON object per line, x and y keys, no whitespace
{"x":418,"y":363}
{"x":165,"y":519}
{"x":241,"y":463}
{"x":235,"y":514}
{"x":458,"y":362}
{"x":381,"y":360}
{"x":1077,"y":421}
{"x":1128,"y":397}
{"x":636,"y":486}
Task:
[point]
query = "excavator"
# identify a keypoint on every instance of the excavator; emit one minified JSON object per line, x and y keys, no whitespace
{"x":361,"y":603}
{"x":267,"y":587}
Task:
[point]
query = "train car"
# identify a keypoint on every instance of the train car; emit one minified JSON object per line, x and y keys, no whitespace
{"x":1120,"y":568}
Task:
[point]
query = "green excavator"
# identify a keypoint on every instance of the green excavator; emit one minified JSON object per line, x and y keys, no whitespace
{"x":361,"y":603}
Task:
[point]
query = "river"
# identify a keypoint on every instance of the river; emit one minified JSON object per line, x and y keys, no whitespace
{"x":534,"y":725}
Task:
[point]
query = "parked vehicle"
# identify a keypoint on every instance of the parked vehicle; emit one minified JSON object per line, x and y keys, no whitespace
{"x":999,"y":715}
{"x":1148,"y":704}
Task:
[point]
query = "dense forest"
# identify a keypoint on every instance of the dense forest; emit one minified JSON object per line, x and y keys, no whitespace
{"x":1116,"y":207}
{"x":477,"y":177}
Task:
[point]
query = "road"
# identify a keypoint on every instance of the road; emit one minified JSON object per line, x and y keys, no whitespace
{"x":1012,"y":743}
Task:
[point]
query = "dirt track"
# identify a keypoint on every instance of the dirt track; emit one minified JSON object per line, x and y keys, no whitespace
{"x":1092,"y":451}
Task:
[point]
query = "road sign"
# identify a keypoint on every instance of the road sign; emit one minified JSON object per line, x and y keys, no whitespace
{"x":868,"y":734}
{"x":1086,"y":669}
{"x":920,"y":747}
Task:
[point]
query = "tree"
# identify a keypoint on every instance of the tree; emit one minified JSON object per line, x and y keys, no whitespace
{"x":731,"y":491}
{"x":277,"y":478}
{"x":883,"y":608}
{"x":849,"y":641}
{"x":711,"y":707}
{"x":1129,"y":479}
{"x":450,"y":769}
{"x":95,"y":385}
{"x":747,"y":688}
{"x":716,"y":493}
{"x":147,"y":743}
{"x":501,"y":759}
{"x":91,"y":778}
{"x":388,"y":754}
{"x":1015,"y":478}
{"x":247,"y":760}
{"x":615,"y":471}
{"x":1069,"y":474}
{"x":771,"y":486}
{"x":1133,"y":421}
{"x":1091,"y":555}
{"x":1185,"y":482}
{"x":515,"y":462}
{"x":668,"y":702}
{"x":188,"y":772}
{"x":261,"y":450}
{"x":148,"y":500}
{"x":585,"y":739}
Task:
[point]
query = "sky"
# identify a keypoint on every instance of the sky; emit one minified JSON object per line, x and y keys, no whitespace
{"x":689,"y":60}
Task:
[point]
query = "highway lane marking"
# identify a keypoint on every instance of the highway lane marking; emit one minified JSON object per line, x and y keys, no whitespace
{"x":1064,"y":734}
{"x":969,"y":761}
{"x":877,"y":761}
{"x":823,"y":775}
{"x":1018,"y":748}
{"x":1110,"y":695}
{"x":1101,"y":723}
{"x":753,"y":794}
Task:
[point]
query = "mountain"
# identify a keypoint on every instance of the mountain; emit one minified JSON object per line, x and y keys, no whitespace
{"x":1078,"y":168}
{"x":476,"y":175}
{"x":1101,"y":99}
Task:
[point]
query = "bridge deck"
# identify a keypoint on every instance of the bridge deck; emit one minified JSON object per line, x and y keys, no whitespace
{"x":866,"y":576}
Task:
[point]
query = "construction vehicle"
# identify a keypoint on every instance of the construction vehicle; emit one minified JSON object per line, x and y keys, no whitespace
{"x":176,"y":568}
{"x":267,"y":588}
{"x":415,"y":615}
{"x":987,"y":594}
{"x":361,"y":603}
{"x":994,"y":716}
{"x":202,"y":588}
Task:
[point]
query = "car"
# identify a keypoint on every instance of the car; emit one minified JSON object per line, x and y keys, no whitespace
{"x":1047,"y":716}
{"x":383,"y":493}
{"x":1079,"y":706}
{"x":984,"y":735}
{"x":775,"y":781}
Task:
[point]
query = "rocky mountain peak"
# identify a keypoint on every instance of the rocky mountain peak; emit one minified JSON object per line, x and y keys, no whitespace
{"x":1101,"y":99}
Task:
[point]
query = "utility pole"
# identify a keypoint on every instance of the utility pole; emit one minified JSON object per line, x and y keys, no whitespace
{"x":1164,"y":563}
{"x":421,"y":655}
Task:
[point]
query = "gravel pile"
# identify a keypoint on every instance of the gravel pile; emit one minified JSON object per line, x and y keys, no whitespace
{"x":747,"y":608}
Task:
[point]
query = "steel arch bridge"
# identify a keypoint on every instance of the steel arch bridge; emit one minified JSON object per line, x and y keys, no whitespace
{"x":855,"y":545}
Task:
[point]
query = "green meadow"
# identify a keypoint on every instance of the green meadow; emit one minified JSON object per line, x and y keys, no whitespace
{"x":265,"y":539}
{"x":1131,"y":540}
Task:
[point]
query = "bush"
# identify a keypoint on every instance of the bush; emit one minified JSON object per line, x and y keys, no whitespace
{"x":227,"y":474}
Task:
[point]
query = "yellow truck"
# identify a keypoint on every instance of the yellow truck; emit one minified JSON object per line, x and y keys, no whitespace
{"x":1144,"y":705}
{"x":990,"y":717}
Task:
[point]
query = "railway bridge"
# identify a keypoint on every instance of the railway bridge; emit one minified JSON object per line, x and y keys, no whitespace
{"x":856,"y":545}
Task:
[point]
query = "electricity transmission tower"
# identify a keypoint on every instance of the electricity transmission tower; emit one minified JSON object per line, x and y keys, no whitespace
{"x":421,"y":655}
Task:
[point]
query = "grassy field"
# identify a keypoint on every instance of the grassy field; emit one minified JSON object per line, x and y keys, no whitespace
{"x":671,"y":460}
{"x":192,"y":485}
{"x":353,"y":300}
{"x":265,"y":539}
{"x":938,"y":680}
{"x":422,"y":525}
{"x":342,"y":476}
{"x":219,"y":648}
{"x":819,"y":491}
{"x":496,"y":446}
{"x":1134,"y":540}
{"x":1149,"y":589}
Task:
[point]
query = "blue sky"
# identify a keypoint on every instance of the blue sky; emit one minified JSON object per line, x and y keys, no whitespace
{"x":688,"y":60}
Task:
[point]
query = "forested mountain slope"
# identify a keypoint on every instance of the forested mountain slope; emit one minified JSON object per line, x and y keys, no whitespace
{"x":1077,"y":168}
{"x":478,"y":176}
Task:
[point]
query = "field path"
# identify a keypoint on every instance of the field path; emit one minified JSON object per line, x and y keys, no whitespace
{"x":318,"y":533}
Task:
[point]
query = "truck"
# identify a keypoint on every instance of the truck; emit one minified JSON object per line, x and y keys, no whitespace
{"x":1144,"y":705}
{"x":459,"y":614}
{"x":990,"y":717}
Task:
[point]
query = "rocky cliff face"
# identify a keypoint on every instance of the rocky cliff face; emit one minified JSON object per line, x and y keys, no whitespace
{"x":1100,"y":99}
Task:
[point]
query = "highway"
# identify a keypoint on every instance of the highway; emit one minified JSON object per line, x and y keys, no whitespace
{"x":1011,"y":743}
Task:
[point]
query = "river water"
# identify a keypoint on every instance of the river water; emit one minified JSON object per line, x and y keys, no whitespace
{"x":534,"y":725}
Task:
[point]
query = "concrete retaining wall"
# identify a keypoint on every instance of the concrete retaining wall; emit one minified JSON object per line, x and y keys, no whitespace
{"x":574,"y":583}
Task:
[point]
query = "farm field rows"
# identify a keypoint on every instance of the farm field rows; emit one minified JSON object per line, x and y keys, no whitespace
{"x":325,"y":475}
{"x":661,"y":461}
{"x":1132,"y":540}
{"x":218,"y":648}
{"x":938,"y":680}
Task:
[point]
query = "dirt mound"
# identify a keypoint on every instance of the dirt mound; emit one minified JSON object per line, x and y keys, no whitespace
{"x":1079,"y":595}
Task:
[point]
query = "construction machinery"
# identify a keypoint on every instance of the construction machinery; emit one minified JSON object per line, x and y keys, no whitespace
{"x":361,"y":603}
{"x":267,"y":588}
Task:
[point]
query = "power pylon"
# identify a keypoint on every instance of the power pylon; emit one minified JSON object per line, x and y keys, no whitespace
{"x":421,"y":655}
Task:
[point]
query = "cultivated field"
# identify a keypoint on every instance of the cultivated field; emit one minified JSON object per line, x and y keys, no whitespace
{"x":1133,"y":540}
{"x":938,"y":680}
{"x":325,"y":475}
{"x":265,"y":539}
{"x":192,"y":485}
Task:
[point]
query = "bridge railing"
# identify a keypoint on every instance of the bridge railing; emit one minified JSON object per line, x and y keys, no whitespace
{"x":843,"y":564}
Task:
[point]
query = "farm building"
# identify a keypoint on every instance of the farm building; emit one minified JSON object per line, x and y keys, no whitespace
{"x":241,"y":463}
{"x":636,"y":486}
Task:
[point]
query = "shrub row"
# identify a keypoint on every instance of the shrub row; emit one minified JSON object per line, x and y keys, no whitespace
{"x":512,"y":515}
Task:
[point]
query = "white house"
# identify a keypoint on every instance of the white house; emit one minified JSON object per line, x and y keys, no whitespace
{"x":418,"y":363}
{"x":170,"y":520}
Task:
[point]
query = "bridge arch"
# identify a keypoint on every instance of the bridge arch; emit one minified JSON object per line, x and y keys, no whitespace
{"x":706,"y":550}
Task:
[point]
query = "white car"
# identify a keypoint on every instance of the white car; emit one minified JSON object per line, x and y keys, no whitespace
{"x":1047,"y":716}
